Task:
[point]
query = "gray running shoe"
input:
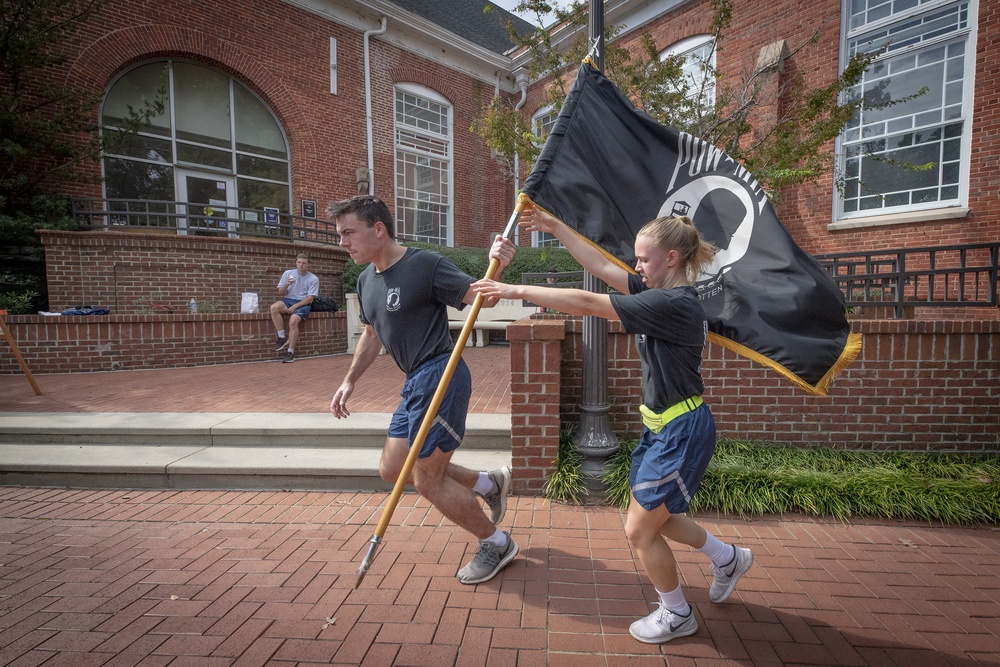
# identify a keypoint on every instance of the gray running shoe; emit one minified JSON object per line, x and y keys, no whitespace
{"x":289,"y":358}
{"x":497,"y":500}
{"x":280,"y":343}
{"x":663,"y":625}
{"x":489,"y":560}
{"x":726,"y":577}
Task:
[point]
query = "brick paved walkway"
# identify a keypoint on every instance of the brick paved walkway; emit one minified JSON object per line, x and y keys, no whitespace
{"x":190,"y":579}
{"x":304,"y":386}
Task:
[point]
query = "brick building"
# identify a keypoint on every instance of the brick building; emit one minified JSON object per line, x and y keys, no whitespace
{"x":328,"y":96}
{"x":296,"y":77}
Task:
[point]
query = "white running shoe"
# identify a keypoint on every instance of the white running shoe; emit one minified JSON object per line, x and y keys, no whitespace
{"x":726,"y":577}
{"x":663,"y":625}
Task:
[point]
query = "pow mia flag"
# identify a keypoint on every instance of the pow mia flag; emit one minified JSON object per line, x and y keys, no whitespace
{"x":607,"y":168}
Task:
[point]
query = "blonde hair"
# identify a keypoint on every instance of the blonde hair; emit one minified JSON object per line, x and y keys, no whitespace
{"x":680,"y":234}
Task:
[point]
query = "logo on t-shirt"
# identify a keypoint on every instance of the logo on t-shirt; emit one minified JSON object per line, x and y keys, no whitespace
{"x":392,"y":299}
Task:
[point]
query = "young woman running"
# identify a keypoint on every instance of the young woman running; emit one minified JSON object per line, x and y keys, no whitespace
{"x":662,"y":309}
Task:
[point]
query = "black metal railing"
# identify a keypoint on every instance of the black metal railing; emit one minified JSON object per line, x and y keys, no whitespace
{"x":957,"y":275}
{"x":200,"y":219}
{"x":938,"y":276}
{"x":561,"y":279}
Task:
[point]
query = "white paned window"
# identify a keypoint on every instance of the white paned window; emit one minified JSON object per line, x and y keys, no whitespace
{"x":928,"y":57}
{"x":541,"y":125}
{"x":698,"y":53}
{"x":423,"y":165}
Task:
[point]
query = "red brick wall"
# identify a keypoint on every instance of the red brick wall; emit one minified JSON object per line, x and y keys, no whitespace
{"x":282,"y":53}
{"x":928,"y":386}
{"x":122,"y":271}
{"x":128,"y":342}
{"x":125,"y":272}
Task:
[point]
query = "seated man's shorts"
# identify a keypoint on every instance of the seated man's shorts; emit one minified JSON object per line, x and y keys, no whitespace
{"x":448,"y":429}
{"x":667,"y":467}
{"x":301,"y":311}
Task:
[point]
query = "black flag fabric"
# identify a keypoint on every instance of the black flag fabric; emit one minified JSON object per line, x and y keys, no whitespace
{"x":607,"y":168}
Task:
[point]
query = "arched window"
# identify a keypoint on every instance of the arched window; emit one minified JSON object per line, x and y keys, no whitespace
{"x":216,"y":148}
{"x":698,"y":66}
{"x":423,"y":138}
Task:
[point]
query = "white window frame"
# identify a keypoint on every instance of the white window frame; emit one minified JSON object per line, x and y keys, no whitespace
{"x":686,"y":48}
{"x":543,"y":239}
{"x":435,"y":97}
{"x":950,"y":208}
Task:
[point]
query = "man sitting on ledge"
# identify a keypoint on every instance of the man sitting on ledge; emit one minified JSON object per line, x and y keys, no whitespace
{"x":297,"y":287}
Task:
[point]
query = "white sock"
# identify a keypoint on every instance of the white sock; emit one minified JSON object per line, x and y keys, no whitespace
{"x":281,"y":334}
{"x":720,"y":552}
{"x":484,"y":484}
{"x":497,"y":538}
{"x":675,"y":602}
{"x":291,"y":350}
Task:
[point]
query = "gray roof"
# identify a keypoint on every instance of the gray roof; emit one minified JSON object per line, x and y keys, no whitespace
{"x":467,"y":19}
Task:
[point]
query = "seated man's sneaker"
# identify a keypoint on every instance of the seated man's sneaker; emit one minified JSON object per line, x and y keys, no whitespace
{"x":289,"y":358}
{"x":489,"y":560}
{"x":280,"y":343}
{"x":663,"y":625}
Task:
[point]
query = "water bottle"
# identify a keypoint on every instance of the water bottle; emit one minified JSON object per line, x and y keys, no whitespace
{"x":193,"y":305}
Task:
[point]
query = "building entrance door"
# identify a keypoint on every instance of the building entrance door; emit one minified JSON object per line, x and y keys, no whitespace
{"x":206,"y":199}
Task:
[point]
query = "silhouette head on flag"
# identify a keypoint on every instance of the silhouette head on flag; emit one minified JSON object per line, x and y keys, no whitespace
{"x":607,"y":168}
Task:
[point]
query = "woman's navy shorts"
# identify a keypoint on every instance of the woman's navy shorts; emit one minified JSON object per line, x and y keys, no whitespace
{"x":667,"y":467}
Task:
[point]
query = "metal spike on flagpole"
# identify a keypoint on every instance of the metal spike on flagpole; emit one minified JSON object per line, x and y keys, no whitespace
{"x":431,"y":414}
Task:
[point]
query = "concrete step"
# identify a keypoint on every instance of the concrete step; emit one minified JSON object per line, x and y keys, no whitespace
{"x":301,"y":451}
{"x":145,"y":466}
{"x":246,"y":429}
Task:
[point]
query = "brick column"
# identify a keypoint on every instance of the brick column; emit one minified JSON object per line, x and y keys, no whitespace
{"x":535,"y":365}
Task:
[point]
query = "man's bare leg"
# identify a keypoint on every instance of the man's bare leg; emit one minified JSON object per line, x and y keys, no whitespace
{"x":293,"y":330}
{"x":278,"y":311}
{"x":432,"y":477}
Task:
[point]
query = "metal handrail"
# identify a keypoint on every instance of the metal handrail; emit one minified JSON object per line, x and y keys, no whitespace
{"x":559,"y":279}
{"x":200,"y":219}
{"x":955,"y":275}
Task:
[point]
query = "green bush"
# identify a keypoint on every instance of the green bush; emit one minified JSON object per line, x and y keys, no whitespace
{"x":17,"y":303}
{"x":475,"y":261}
{"x":23,"y":283}
{"x":752,"y":479}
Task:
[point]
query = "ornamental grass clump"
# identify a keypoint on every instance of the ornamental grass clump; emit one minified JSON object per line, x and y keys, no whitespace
{"x":753,"y":479}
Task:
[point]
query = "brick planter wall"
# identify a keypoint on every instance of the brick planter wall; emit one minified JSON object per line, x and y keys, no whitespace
{"x":917,"y":385}
{"x":72,"y":344}
{"x":122,"y":271}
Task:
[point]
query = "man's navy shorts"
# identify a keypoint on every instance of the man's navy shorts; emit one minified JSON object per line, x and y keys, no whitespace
{"x":301,"y":311}
{"x":667,"y":467}
{"x":449,"y":427}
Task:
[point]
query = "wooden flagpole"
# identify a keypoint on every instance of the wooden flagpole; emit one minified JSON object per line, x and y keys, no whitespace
{"x":431,"y":414}
{"x":17,"y":353}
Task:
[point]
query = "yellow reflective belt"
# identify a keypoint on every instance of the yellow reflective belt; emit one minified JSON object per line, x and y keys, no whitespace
{"x":655,"y":422}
